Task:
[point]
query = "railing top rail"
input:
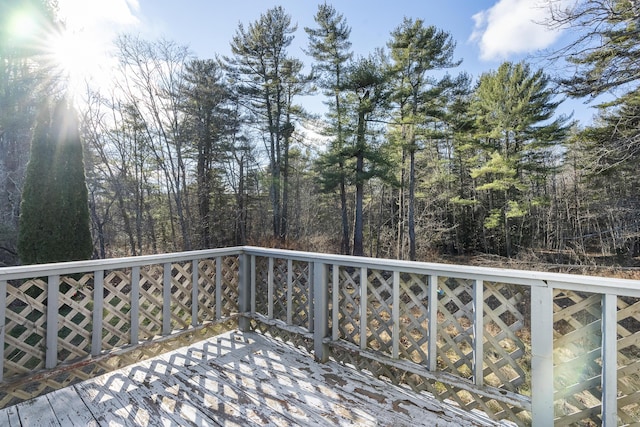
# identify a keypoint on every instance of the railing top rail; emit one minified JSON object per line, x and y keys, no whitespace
{"x":576,"y":282}
{"x":602,"y":285}
{"x":41,"y":270}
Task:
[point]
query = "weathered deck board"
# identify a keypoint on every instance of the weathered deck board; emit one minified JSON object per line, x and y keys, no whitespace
{"x":235,"y":380}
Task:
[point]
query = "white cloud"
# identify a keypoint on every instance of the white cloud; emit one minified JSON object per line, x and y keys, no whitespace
{"x":512,"y":27}
{"x":99,"y":15}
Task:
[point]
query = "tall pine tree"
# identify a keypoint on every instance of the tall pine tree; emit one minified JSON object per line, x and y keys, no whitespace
{"x":54,"y":218}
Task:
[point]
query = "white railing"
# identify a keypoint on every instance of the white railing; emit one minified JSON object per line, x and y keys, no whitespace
{"x":526,"y":346}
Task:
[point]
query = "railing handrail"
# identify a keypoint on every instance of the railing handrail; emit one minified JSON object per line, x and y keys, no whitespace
{"x":573,"y":282}
{"x":72,"y":267}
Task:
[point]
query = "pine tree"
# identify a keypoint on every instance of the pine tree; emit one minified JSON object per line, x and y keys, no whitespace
{"x":54,"y":218}
{"x":514,"y":107}
{"x":330,"y":46}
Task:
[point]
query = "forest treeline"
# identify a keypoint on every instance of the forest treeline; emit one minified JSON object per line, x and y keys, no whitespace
{"x":413,"y":158}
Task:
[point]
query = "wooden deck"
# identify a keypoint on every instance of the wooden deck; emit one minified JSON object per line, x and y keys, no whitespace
{"x":235,"y":379}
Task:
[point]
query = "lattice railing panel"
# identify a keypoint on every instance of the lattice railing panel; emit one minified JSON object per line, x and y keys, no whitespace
{"x":414,"y":321}
{"x":280,"y":289}
{"x":577,"y":357}
{"x":262,"y":285}
{"x":300,"y":294}
{"x":180,"y":295}
{"x":507,"y":337}
{"x":150,"y":323}
{"x":379,"y":311}
{"x":75,"y":317}
{"x":207,"y":290}
{"x":24,"y":349}
{"x":349,"y":304}
{"x":455,"y":326}
{"x":116,"y":323}
{"x":629,"y":360}
{"x":230,"y":268}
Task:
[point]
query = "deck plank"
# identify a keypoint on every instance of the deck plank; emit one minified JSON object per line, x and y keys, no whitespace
{"x":37,"y":412}
{"x":69,"y":408}
{"x":236,"y":379}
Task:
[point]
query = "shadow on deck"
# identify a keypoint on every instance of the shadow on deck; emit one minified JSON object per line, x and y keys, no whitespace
{"x":236,"y":379}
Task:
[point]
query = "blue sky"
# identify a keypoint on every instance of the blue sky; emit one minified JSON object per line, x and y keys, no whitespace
{"x":487,"y":32}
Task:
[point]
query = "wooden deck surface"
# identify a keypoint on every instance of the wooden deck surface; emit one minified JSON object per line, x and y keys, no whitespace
{"x":235,"y":379}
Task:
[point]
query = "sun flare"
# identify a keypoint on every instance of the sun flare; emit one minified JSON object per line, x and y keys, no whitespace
{"x":81,"y":50}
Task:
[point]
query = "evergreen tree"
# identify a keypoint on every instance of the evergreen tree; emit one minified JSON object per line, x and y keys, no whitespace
{"x":54,"y":218}
{"x":513,"y":106}
{"x":330,"y":46}
{"x":268,"y":80}
{"x":416,"y":50}
{"x":367,"y":94}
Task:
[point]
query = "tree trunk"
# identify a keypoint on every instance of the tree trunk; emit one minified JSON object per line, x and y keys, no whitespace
{"x":411,"y":210}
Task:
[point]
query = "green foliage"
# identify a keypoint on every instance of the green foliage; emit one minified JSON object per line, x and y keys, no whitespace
{"x":54,"y":219}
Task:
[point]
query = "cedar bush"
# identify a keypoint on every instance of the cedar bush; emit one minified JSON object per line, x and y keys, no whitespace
{"x":54,"y":214}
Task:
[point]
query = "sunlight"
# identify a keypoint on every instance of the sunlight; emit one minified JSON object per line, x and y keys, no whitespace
{"x":22,"y":25}
{"x":82,"y":49}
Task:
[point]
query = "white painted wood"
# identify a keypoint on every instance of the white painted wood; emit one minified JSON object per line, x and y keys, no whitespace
{"x":289,"y":291}
{"x":488,"y":274}
{"x":3,"y":317}
{"x":219,"y":302}
{"x":432,"y":334}
{"x":310,"y":299}
{"x":363,"y":307}
{"x":246,"y":289}
{"x":609,"y":360}
{"x":166,"y":298}
{"x":53,"y":288}
{"x":98,"y":307}
{"x":64,"y":268}
{"x":135,"y":305}
{"x":9,"y":417}
{"x":478,"y":332}
{"x":195,"y":304}
{"x":270,"y":289}
{"x":321,"y":311}
{"x":335,"y":306}
{"x":69,"y":408}
{"x":243,"y":379}
{"x":38,"y":413}
{"x":253,"y":283}
{"x":542,"y":388}
{"x":395,"y":350}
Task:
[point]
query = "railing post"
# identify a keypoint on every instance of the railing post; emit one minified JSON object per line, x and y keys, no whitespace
{"x":311,"y":299}
{"x":321,"y":311}
{"x":218,"y":288}
{"x":194,"y":293}
{"x":166,"y":298}
{"x":289,"y":291}
{"x":53,"y":288}
{"x":98,"y":306}
{"x":270,"y":289}
{"x":542,"y":388}
{"x":609,"y":360}
{"x":244,"y":291}
{"x":3,"y":317}
{"x":335,"y":306}
{"x":363,"y":307}
{"x":478,"y":332}
{"x":432,"y":334}
{"x":395,"y":350}
{"x":135,"y":305}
